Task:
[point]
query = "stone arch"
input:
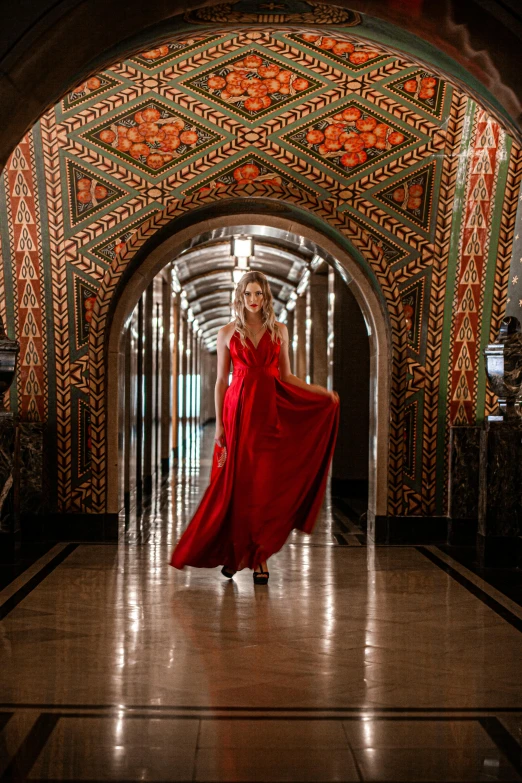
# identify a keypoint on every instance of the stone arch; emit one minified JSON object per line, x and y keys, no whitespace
{"x":374,"y":287}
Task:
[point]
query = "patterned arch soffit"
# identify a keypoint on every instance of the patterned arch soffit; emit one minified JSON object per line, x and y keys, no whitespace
{"x":472,"y":88}
{"x":145,"y":254}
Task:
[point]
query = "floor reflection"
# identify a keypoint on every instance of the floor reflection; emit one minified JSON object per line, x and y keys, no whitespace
{"x":355,"y":662}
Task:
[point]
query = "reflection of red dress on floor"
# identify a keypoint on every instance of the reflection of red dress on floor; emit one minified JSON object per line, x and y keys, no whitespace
{"x":280,"y":440}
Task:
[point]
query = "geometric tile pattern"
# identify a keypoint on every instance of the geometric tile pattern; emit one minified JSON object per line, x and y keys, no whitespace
{"x":251,"y":85}
{"x":24,"y":242}
{"x":152,"y":137}
{"x":249,"y":168}
{"x":424,"y":89}
{"x":412,"y":297}
{"x":84,"y":438}
{"x":435,"y":439}
{"x":88,"y":194}
{"x":412,"y":195}
{"x":84,"y":299}
{"x":159,"y":57}
{"x":471,"y":273}
{"x":349,"y":52}
{"x":350,"y":140}
{"x":89,"y":90}
{"x":368,"y":141}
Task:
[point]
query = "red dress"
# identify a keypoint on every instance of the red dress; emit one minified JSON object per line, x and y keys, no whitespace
{"x":280,"y":440}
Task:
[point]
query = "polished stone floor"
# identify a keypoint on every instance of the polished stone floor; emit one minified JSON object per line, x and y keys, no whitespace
{"x":354,"y":663}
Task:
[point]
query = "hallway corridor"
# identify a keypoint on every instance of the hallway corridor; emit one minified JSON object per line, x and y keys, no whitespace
{"x":354,"y":663}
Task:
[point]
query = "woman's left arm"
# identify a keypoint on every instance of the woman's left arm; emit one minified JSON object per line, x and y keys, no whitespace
{"x":285,"y":372}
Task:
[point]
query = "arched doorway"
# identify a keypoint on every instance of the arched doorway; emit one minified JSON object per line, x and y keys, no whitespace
{"x":336,"y":254}
{"x":92,"y":195}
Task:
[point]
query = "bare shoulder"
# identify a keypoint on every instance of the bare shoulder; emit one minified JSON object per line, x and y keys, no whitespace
{"x":225,"y":333}
{"x":283,"y":331}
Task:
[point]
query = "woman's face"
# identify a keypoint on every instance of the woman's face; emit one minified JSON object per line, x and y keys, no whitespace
{"x":253,"y":298}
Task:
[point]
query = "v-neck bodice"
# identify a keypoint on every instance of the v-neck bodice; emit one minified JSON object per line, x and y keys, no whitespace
{"x":259,"y":341}
{"x":245,"y":357}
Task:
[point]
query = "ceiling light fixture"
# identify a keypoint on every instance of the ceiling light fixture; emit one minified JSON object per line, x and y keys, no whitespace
{"x":242,"y":247}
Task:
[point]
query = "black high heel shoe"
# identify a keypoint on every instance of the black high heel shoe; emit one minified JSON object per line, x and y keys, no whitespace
{"x":260,"y":577}
{"x":227,"y":573}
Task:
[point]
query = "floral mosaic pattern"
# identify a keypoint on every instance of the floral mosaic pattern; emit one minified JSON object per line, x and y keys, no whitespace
{"x":251,"y":169}
{"x":84,"y":298}
{"x":88,"y":193}
{"x":351,"y":139}
{"x":353,"y":55}
{"x":88,"y":89}
{"x":412,"y":196}
{"x":413,"y":305}
{"x":252,"y":85}
{"x":422,"y":88}
{"x":160,"y":55}
{"x":153,"y":136}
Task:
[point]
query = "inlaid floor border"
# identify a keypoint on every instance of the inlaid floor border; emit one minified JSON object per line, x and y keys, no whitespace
{"x":24,"y":759}
{"x":489,"y":596}
{"x":26,"y":582}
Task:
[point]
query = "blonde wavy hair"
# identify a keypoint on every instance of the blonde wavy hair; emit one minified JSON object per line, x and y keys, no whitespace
{"x":268,"y":316}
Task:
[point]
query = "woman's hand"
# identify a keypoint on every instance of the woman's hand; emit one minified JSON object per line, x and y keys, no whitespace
{"x":333,"y":396}
{"x":219,"y":437}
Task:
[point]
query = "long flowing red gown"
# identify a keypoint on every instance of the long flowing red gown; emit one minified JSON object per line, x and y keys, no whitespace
{"x":280,"y":440}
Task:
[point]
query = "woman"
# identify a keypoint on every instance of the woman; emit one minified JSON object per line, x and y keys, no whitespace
{"x":274,"y":441}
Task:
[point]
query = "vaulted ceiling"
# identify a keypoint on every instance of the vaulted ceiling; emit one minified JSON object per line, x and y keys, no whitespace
{"x":329,"y":113}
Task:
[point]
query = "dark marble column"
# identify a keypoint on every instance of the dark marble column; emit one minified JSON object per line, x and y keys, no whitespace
{"x":33,"y":494}
{"x":500,"y":503}
{"x":10,"y":537}
{"x":464,"y":484}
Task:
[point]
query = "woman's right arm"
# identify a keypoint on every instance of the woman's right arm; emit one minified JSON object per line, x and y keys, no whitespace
{"x":223,"y":369}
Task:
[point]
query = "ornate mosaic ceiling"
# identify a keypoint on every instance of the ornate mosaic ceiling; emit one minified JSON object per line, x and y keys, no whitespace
{"x":330,"y":114}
